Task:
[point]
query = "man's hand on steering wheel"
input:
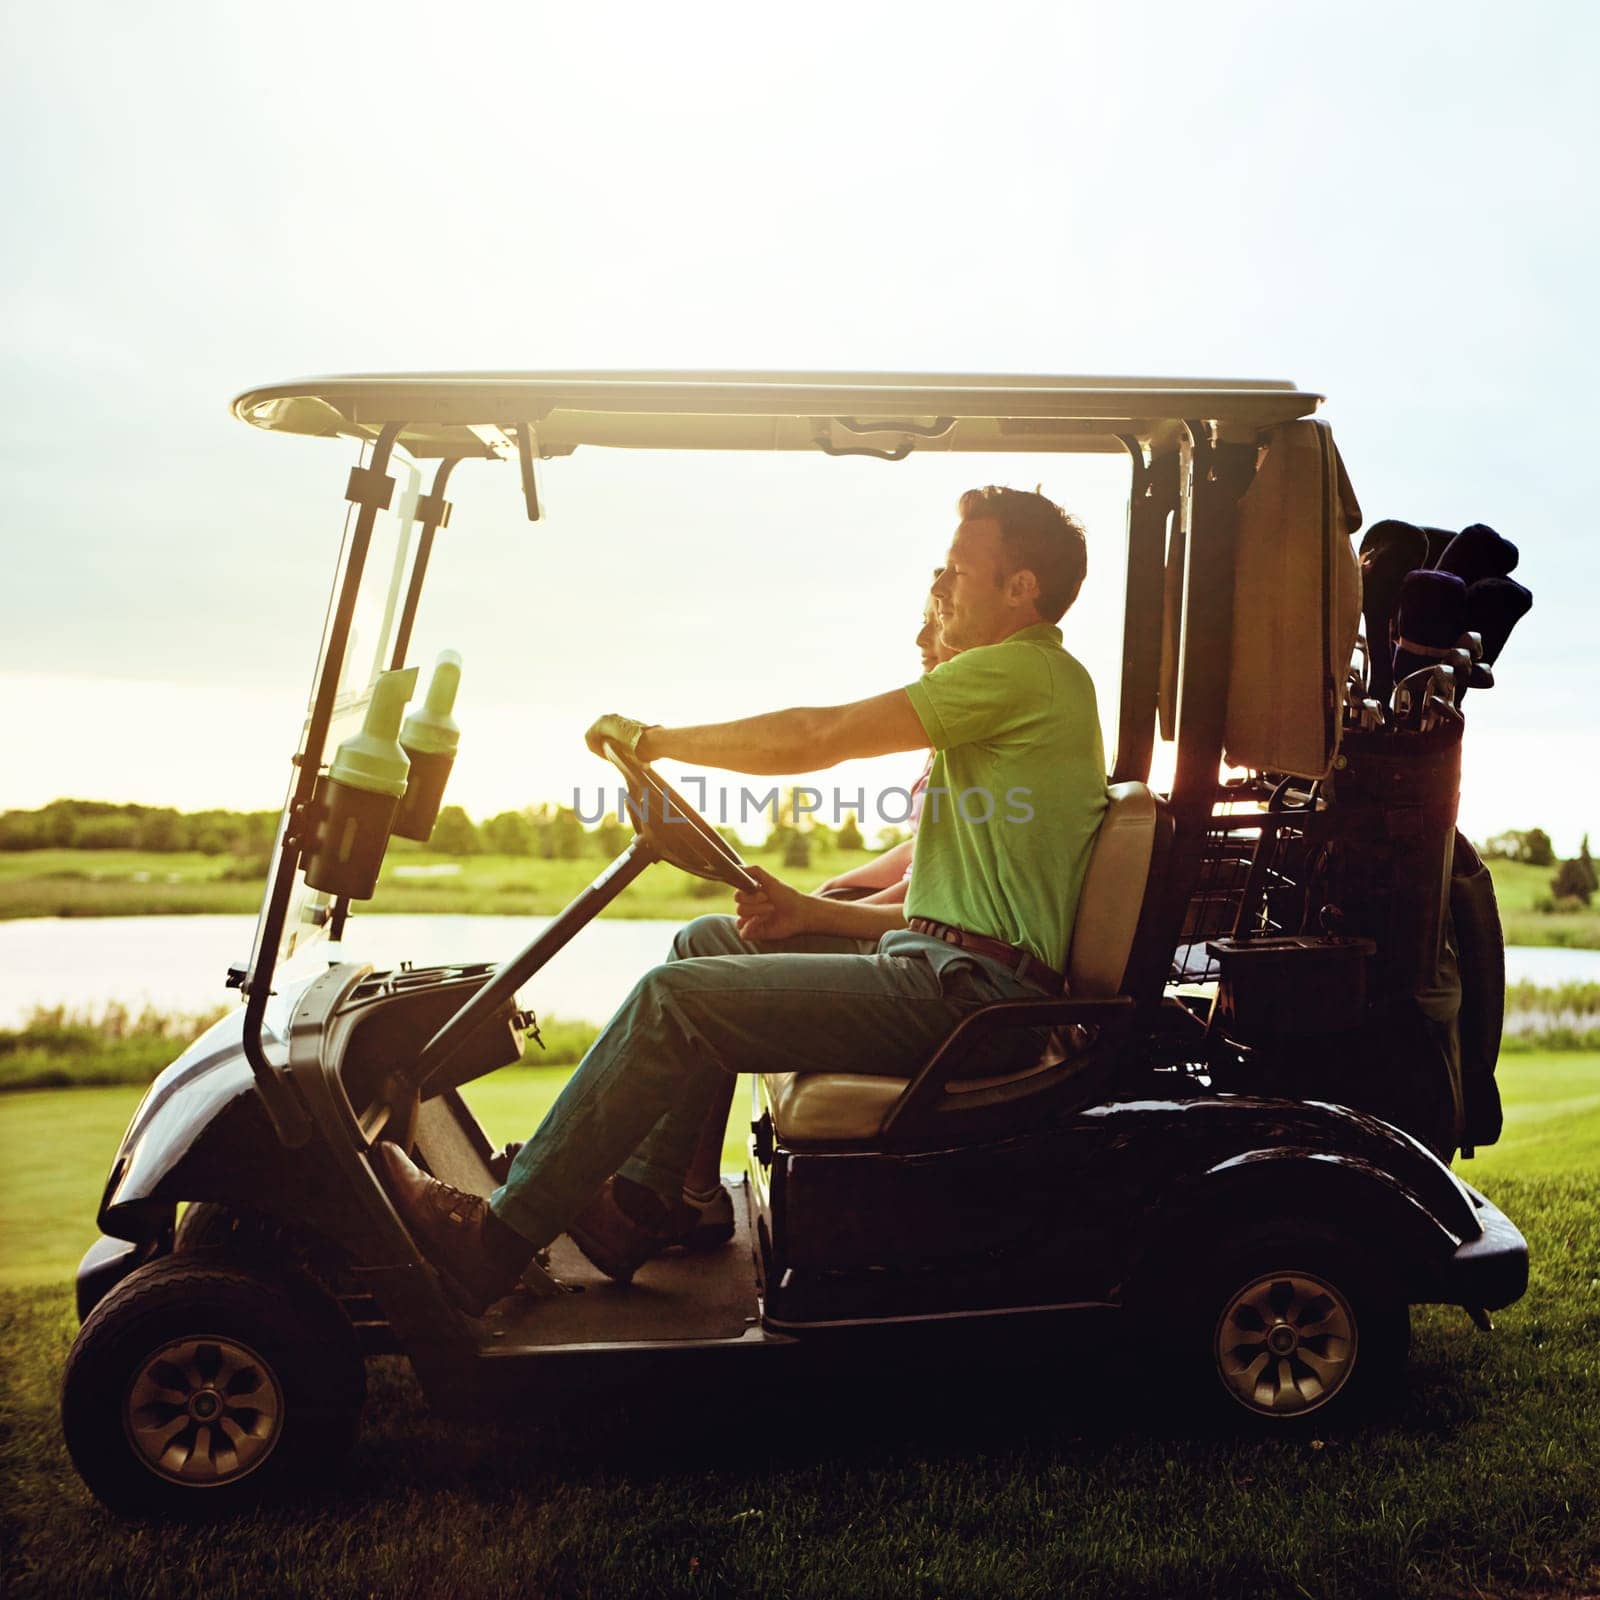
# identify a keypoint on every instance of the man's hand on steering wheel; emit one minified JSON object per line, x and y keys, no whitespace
{"x":624,"y":732}
{"x":667,"y":824}
{"x":775,"y":910}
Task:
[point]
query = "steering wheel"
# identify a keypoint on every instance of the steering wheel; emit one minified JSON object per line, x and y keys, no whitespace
{"x":672,"y":829}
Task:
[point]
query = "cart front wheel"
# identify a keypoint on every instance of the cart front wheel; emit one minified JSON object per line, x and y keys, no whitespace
{"x":197,"y":1389}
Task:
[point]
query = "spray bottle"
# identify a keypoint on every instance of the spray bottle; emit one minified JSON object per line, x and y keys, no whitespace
{"x":360,"y":795}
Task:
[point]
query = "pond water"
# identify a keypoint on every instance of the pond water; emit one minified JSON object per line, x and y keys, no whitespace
{"x":178,"y":963}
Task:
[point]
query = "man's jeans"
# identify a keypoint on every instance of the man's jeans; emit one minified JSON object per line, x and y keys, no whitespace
{"x":720,"y":1005}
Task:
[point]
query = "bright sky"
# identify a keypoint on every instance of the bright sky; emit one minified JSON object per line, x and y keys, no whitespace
{"x":1389,"y":205}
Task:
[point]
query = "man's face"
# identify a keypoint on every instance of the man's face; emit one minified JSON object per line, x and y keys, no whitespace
{"x":974,"y":604}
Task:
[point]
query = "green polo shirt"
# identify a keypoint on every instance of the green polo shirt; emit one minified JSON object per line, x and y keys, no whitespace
{"x":1016,"y":795}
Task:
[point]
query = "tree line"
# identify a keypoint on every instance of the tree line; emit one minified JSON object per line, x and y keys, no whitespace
{"x":103,"y":825}
{"x":544,"y":832}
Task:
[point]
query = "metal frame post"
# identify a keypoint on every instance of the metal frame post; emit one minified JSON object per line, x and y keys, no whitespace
{"x":370,"y":487}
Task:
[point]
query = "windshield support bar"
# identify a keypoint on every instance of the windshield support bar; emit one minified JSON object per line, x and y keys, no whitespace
{"x":502,"y":985}
{"x":434,"y":512}
{"x":370,"y":488}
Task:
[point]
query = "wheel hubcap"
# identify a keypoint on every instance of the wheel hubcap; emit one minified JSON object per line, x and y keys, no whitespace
{"x":1286,"y":1343}
{"x":204,"y":1411}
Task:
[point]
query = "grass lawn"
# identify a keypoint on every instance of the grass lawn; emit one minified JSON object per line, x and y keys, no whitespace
{"x":118,"y":883}
{"x":1517,"y":887}
{"x":995,"y":1480}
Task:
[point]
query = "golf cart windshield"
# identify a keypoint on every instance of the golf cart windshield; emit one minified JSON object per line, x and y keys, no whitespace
{"x":373,"y":643}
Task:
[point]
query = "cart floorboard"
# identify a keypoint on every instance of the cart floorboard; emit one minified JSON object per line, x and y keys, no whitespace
{"x":676,"y":1297}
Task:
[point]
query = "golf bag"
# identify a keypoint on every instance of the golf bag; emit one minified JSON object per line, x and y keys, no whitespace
{"x":1396,"y":871}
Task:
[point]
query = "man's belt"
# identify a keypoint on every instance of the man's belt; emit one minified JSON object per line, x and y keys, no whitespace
{"x":1021,"y":962}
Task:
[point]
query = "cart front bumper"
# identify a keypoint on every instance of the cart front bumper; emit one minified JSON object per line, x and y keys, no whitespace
{"x":105,"y":1264}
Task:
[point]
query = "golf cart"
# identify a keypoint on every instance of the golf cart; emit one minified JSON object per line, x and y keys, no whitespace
{"x":1231,"y":1136}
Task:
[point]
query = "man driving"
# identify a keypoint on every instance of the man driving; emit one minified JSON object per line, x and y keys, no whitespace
{"x":1015,"y":799}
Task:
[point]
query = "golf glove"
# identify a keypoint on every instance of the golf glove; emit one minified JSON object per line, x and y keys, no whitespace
{"x":620,"y":730}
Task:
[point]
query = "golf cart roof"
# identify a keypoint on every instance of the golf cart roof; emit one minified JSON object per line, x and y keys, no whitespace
{"x":448,"y":414}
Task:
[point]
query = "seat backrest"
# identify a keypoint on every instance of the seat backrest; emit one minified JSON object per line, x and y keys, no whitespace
{"x":1113,"y":893}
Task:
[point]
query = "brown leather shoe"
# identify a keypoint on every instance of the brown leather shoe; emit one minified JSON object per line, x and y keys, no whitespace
{"x":448,"y":1226}
{"x":694,"y":1225}
{"x":616,"y":1243}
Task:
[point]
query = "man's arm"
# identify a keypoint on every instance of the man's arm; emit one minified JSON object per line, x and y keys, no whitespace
{"x":802,"y":739}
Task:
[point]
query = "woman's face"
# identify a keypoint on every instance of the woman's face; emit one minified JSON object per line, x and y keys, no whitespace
{"x":929,"y":642}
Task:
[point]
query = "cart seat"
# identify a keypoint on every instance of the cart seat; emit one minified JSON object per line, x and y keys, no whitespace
{"x":810,"y":1106}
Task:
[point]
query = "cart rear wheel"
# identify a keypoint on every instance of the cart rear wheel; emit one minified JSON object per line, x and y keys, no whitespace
{"x":1291,"y":1328}
{"x":195,"y":1389}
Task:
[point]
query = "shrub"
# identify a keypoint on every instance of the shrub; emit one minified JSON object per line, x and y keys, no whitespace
{"x":510,"y":834}
{"x":455,"y":834}
{"x":1574,"y":881}
{"x":160,"y":831}
{"x":246,"y":869}
{"x":565,"y":835}
{"x":1561,"y":905}
{"x":612,"y":836}
{"x":56,"y":1048}
{"x":105,"y":833}
{"x":22,"y":830}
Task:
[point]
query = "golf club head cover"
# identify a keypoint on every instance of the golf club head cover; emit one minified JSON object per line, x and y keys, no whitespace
{"x":1478,"y":552}
{"x":1389,"y":551}
{"x":1494,"y":607}
{"x":1431,"y":616}
{"x":1438,"y":542}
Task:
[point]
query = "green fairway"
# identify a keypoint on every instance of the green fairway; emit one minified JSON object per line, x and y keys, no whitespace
{"x":115,"y":883}
{"x":1518,"y":887}
{"x":1552,"y":1130}
{"x":1015,"y":1481}
{"x":56,"y":1146}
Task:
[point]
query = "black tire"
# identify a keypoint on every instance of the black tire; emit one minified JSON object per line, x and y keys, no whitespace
{"x":1289,"y":1328}
{"x":183,"y":1340}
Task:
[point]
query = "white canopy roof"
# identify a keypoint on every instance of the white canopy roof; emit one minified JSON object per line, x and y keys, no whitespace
{"x":474,"y":413}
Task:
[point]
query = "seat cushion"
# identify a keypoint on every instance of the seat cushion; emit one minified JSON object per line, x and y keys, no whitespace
{"x":830,"y":1105}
